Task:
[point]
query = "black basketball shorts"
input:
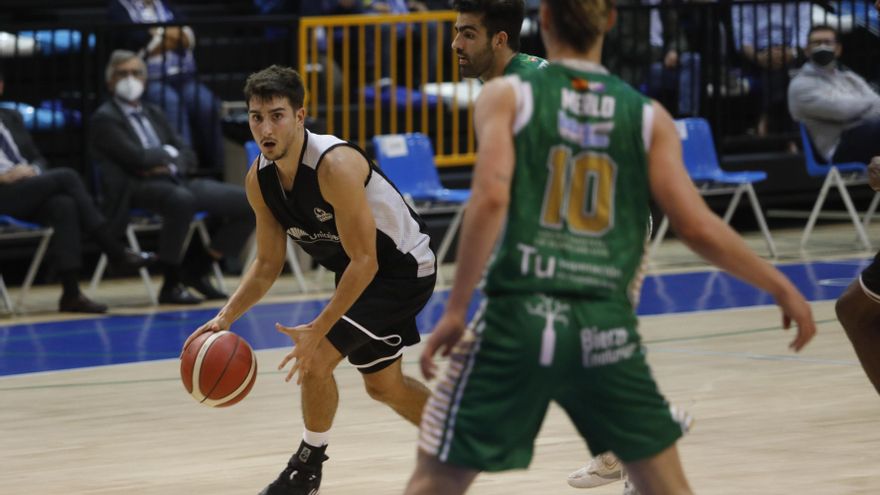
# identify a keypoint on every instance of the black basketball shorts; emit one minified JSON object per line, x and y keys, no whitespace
{"x":870,"y":279}
{"x":375,"y":330}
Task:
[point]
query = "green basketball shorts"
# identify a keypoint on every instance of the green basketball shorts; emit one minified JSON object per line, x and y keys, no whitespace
{"x":520,"y":353}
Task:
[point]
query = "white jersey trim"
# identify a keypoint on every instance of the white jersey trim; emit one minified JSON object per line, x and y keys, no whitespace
{"x":648,"y":125}
{"x":525,"y":105}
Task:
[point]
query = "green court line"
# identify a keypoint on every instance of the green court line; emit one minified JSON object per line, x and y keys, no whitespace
{"x":413,"y":361}
{"x":728,"y":334}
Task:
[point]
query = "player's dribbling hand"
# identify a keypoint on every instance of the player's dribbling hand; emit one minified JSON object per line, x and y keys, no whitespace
{"x":445,"y":335}
{"x":306,"y":340}
{"x":216,"y":324}
{"x":795,"y":307}
{"x":874,"y":170}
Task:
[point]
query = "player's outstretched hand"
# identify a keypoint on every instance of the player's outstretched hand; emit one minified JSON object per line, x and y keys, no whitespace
{"x":215,"y":324}
{"x":795,"y":307}
{"x":306,"y":340}
{"x":445,"y":335}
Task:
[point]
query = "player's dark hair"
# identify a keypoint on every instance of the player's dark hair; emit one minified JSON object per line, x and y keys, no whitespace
{"x":498,"y":15}
{"x":274,"y":81}
{"x":579,"y":23}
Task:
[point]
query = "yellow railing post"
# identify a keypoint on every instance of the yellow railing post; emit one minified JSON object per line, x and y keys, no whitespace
{"x":322,"y":101}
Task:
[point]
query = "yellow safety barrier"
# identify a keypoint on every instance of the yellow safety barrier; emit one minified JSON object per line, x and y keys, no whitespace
{"x":339,"y":99}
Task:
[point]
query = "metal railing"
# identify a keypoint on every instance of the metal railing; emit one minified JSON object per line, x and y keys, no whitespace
{"x":378,"y":78}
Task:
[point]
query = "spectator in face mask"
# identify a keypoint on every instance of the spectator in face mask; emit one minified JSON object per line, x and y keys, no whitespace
{"x":840,"y":110}
{"x":145,"y":164}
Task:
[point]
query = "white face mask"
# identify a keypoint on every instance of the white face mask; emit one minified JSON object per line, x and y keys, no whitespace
{"x":129,"y":88}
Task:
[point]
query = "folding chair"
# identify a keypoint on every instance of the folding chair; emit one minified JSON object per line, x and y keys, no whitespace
{"x":841,"y":175}
{"x":252,"y":151}
{"x":408,"y":160}
{"x":701,"y":162}
{"x":13,"y":229}
{"x":144,"y":221}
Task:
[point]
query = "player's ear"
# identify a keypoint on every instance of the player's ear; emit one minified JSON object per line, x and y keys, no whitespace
{"x":500,"y":39}
{"x":301,"y":115}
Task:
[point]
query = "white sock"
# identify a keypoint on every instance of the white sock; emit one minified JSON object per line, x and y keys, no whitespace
{"x":316,"y":439}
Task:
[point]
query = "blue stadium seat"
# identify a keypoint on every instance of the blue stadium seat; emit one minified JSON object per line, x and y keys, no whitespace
{"x":12,"y":229}
{"x":841,"y":175}
{"x":143,"y":221}
{"x":701,"y":162}
{"x":408,"y":160}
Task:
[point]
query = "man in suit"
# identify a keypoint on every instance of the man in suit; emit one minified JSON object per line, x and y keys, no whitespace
{"x":145,"y":164}
{"x":29,"y":190}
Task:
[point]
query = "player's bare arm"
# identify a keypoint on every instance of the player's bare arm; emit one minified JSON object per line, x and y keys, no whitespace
{"x":342,"y":177}
{"x":707,"y":235}
{"x":259,"y":277}
{"x":494,"y":114}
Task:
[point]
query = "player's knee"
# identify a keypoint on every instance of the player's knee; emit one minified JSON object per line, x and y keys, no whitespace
{"x":319,"y":371}
{"x":382,"y":391}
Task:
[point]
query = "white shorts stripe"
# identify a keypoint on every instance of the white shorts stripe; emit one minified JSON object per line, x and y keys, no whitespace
{"x":388,"y":358}
{"x":439,"y":413}
{"x":391,"y":340}
{"x":472,"y":351}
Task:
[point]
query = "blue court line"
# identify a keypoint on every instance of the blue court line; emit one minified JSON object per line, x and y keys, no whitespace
{"x":115,"y":339}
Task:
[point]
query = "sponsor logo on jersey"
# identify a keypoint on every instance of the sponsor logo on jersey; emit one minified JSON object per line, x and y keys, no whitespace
{"x":322,"y":215}
{"x":601,"y":347}
{"x":579,"y":84}
{"x":300,"y":235}
{"x":551,"y":311}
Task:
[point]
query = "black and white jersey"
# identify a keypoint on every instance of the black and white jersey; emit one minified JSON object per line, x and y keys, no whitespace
{"x":402,"y":244}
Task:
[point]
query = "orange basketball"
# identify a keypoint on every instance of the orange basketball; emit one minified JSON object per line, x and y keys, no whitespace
{"x":218,"y":368}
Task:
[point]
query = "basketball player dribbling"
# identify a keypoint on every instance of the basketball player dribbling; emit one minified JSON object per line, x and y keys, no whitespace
{"x":332,"y":201}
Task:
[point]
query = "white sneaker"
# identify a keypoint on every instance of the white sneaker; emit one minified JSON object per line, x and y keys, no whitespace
{"x":629,"y":488}
{"x":602,"y":469}
{"x":683,"y":418}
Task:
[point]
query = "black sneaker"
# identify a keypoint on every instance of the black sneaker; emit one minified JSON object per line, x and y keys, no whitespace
{"x":302,"y":476}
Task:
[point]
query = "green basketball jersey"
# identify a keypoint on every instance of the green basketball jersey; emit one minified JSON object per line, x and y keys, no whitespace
{"x":579,"y":196}
{"x":522,"y":63}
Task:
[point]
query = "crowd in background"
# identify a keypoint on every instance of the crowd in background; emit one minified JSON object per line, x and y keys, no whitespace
{"x":156,"y":138}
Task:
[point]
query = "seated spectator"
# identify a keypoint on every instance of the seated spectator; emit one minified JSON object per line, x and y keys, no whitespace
{"x":769,"y":37}
{"x":191,"y":107}
{"x":145,"y":164}
{"x":56,"y":198}
{"x":838,"y":107}
{"x":650,"y":51}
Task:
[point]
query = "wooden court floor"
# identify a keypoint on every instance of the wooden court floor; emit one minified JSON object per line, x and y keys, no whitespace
{"x":767,"y":421}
